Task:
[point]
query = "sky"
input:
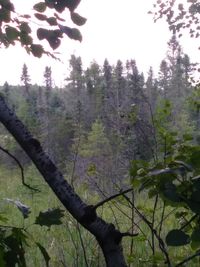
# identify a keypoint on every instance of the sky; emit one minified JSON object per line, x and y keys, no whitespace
{"x":113,"y":30}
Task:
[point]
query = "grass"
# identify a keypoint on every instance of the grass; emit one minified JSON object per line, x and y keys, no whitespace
{"x":63,"y":242}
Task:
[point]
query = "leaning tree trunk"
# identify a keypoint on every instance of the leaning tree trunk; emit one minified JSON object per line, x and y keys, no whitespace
{"x":107,"y":236}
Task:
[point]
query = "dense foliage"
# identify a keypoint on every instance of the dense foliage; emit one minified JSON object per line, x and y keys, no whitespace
{"x":109,"y":129}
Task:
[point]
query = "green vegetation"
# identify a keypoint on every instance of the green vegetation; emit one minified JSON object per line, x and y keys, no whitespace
{"x":128,"y":145}
{"x":107,"y":130}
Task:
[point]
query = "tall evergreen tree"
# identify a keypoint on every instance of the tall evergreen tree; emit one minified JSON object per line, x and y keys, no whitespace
{"x":25,"y":79}
{"x":107,"y":92}
{"x":164,"y":77}
{"x":139,"y":125}
{"x":48,"y":78}
{"x":93,"y":80}
{"x":47,"y":123}
{"x":75,"y":79}
{"x":75,"y":88}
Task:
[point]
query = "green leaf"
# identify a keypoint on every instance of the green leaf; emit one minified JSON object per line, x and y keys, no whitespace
{"x":42,"y":33}
{"x":177,"y":238}
{"x":24,"y":27}
{"x":195,"y":196}
{"x":72,"y":33}
{"x":194,"y":206}
{"x":40,"y":7}
{"x":41,"y":17}
{"x":77,"y":19}
{"x":52,"y":21}
{"x":37,"y":50}
{"x":169,"y":190}
{"x":72,"y":4}
{"x":50,"y":217}
{"x":11,"y":33}
{"x":141,"y":172}
{"x":138,"y":168}
{"x":15,"y":251}
{"x":44,"y":253}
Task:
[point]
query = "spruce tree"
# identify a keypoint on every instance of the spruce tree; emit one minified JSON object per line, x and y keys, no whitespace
{"x":25,"y":79}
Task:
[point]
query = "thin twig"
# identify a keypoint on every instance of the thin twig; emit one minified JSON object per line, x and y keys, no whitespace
{"x":188,"y":259}
{"x":21,"y":168}
{"x":153,"y":221}
{"x":129,"y":234}
{"x":162,"y":219}
{"x":121,"y":193}
{"x":189,"y":222}
{"x":160,"y":241}
{"x":132,"y":224}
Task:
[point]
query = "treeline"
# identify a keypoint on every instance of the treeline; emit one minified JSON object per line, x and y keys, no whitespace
{"x":106,"y":115}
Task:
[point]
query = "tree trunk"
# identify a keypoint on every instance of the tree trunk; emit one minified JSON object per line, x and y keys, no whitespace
{"x":107,"y":236}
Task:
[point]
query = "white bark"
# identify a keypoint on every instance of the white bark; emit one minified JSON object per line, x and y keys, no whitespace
{"x":107,"y":236}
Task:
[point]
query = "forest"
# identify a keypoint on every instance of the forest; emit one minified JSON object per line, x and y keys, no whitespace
{"x":119,"y":152}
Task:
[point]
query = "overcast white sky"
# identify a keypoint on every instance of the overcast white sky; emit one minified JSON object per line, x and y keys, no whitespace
{"x":113,"y":30}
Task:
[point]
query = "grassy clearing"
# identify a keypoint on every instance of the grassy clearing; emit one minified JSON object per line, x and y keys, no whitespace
{"x":63,"y":242}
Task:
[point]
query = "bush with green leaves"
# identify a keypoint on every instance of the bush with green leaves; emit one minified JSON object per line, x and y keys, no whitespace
{"x":172,"y":179}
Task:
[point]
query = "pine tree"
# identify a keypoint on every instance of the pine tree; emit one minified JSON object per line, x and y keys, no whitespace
{"x":164,"y":79}
{"x":75,"y":79}
{"x":93,"y":80}
{"x":75,"y":89}
{"x":6,"y":91}
{"x":48,"y":78}
{"x":25,"y":79}
{"x":107,"y":93}
{"x":138,"y":114}
{"x":174,"y":82}
{"x":47,"y":123}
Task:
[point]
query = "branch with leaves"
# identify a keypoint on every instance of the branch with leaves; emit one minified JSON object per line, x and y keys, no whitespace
{"x":15,"y":27}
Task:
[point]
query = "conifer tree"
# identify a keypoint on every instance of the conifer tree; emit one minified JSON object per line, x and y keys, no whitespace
{"x":47,"y":123}
{"x":25,"y":79}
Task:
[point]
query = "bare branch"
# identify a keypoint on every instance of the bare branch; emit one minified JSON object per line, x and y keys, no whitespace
{"x":21,"y":168}
{"x":121,"y":193}
{"x":188,"y":259}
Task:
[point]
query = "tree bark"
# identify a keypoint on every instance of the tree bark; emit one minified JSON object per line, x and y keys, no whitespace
{"x":107,"y":236}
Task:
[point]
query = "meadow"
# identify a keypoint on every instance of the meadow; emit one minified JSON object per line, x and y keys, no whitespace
{"x":69,"y":244}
